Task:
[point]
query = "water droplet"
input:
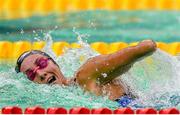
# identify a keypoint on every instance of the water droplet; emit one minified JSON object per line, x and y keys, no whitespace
{"x":56,"y":27}
{"x":22,"y":31}
{"x":104,"y":75}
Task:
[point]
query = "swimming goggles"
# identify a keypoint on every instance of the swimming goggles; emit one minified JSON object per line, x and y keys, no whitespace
{"x":40,"y":63}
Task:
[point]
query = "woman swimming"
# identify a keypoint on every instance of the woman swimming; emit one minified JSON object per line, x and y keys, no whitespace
{"x":96,"y":75}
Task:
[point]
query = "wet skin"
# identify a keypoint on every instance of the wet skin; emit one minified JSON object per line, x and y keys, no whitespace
{"x":90,"y":75}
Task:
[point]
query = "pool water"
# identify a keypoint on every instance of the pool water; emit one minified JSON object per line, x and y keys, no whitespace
{"x":154,"y":79}
{"x":100,"y":25}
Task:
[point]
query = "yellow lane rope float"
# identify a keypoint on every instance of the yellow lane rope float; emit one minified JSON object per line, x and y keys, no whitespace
{"x":10,"y":9}
{"x":11,"y":50}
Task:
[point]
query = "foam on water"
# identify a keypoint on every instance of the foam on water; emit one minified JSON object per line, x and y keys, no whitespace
{"x":17,"y":90}
{"x":154,"y":79}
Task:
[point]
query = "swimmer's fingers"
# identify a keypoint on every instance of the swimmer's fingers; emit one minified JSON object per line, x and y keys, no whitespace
{"x":150,"y":44}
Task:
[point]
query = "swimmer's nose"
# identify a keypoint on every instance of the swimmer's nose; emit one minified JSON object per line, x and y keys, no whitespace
{"x":42,"y":76}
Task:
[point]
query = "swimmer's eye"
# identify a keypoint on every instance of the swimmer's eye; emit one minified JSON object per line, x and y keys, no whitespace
{"x":42,"y":62}
{"x":30,"y":74}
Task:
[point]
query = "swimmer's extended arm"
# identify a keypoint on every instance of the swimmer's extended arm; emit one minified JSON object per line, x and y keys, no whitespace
{"x":104,"y":68}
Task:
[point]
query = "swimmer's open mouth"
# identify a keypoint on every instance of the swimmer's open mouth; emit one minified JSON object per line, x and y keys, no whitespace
{"x":51,"y":79}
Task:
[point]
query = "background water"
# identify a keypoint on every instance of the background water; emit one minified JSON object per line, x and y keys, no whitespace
{"x":107,"y":26}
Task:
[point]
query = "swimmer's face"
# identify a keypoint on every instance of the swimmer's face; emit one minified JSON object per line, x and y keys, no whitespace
{"x":40,"y":69}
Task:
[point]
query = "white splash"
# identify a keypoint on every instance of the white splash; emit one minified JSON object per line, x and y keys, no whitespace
{"x":155,"y":79}
{"x":48,"y":47}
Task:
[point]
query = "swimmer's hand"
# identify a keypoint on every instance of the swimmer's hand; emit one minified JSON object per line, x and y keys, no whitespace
{"x":149,"y":45}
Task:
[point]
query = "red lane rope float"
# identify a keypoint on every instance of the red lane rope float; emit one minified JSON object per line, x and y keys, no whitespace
{"x":79,"y":110}
{"x":101,"y":111}
{"x":34,"y":110}
{"x":56,"y":110}
{"x":11,"y":110}
{"x":83,"y":110}
{"x":127,"y":110}
{"x":146,"y":111}
{"x":169,"y":111}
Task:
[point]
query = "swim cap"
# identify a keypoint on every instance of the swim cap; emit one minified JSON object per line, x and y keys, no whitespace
{"x":28,"y":53}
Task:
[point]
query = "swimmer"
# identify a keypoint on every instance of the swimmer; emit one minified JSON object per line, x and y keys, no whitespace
{"x":96,"y":75}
